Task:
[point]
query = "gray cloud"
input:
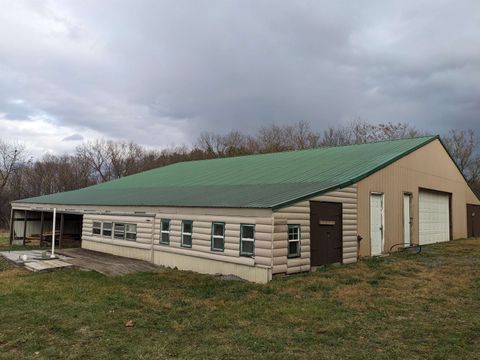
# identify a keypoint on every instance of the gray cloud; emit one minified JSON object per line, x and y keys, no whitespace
{"x":73,"y":137}
{"x":159,"y":72}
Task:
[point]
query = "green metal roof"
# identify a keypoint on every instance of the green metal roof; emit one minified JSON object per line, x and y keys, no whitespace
{"x":253,"y":181}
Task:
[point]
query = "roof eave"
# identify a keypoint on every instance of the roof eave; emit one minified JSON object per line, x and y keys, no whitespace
{"x":357,"y":178}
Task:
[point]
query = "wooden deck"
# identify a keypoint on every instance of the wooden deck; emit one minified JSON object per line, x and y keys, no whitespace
{"x":107,"y":264}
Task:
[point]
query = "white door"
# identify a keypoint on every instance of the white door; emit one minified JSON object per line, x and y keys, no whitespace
{"x":433,"y":217}
{"x":376,"y":223}
{"x":406,"y":219}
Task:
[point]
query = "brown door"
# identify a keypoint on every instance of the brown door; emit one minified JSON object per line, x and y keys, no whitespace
{"x":325,"y":233}
{"x":473,"y":220}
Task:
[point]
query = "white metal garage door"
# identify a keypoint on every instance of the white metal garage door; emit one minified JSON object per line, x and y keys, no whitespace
{"x":434,"y":217}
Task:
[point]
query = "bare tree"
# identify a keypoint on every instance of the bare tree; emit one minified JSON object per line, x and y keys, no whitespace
{"x":334,"y":136}
{"x":216,"y":145}
{"x":464,"y":145}
{"x":95,"y":153}
{"x":303,"y":136}
{"x":297,"y":136}
{"x":124,"y":158}
{"x":212,"y":144}
{"x":11,"y":157}
{"x":272,"y":139}
{"x":360,"y":132}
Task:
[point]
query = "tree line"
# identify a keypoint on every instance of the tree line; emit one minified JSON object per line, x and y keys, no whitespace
{"x":103,"y":160}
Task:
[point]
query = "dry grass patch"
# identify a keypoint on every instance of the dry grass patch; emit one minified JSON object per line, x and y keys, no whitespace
{"x":403,"y":306}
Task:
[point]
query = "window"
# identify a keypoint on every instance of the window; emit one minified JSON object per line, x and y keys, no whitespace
{"x":107,"y":229}
{"x":187,"y":233}
{"x":165,"y":232}
{"x":119,"y":231}
{"x":247,"y":240}
{"x":218,"y":236}
{"x":293,"y":241}
{"x":131,"y":232}
{"x":97,"y":228}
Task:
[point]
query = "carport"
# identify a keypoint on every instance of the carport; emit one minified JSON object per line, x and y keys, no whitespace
{"x":34,"y":227}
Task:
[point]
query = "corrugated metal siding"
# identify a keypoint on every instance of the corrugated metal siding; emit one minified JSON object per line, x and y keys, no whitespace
{"x":429,"y":167}
{"x":299,"y":213}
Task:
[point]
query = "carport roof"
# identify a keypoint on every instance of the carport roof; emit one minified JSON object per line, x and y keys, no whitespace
{"x":253,"y":181}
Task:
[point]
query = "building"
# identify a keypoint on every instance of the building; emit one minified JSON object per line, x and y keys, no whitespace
{"x":259,"y":215}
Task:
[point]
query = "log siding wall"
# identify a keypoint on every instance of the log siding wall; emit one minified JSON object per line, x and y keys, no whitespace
{"x":271,"y":230}
{"x":299,"y":213}
{"x":202,"y":232}
{"x":148,"y":236}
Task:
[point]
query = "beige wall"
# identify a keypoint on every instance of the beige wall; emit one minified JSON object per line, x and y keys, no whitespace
{"x":144,"y":230}
{"x":271,"y":255}
{"x":202,"y":227}
{"x":199,"y":257}
{"x":299,"y":213}
{"x":429,"y":167}
{"x":195,"y":262}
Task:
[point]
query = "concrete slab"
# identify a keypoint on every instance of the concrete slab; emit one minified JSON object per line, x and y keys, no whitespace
{"x":111,"y":265}
{"x":35,"y":260}
{"x":106,"y":264}
{"x":32,"y":255}
{"x":46,"y":265}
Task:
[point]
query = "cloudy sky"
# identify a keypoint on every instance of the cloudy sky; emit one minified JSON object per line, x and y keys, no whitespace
{"x":159,"y":72}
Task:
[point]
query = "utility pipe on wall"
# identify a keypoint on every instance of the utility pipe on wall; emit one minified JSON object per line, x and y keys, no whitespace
{"x":53,"y":233}
{"x":152,"y":252}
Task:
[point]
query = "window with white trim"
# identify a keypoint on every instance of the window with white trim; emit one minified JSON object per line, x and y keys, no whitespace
{"x":187,"y":228}
{"x":107,"y":229}
{"x":165,"y":231}
{"x":293,"y":241}
{"x":119,"y":231}
{"x":131,"y":232}
{"x":247,"y":240}
{"x":218,"y":236}
{"x":96,"y":228}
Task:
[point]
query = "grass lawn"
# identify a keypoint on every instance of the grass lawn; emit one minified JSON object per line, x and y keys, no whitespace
{"x":403,"y":306}
{"x":3,"y":240}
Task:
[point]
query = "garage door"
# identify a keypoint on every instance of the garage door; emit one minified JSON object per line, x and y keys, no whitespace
{"x":434,"y":217}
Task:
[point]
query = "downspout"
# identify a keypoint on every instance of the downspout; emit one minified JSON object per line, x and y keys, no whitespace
{"x":273,"y":248}
{"x":152,"y":253}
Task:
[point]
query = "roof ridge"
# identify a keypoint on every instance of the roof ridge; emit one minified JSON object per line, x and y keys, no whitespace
{"x":305,"y":150}
{"x":277,"y":179}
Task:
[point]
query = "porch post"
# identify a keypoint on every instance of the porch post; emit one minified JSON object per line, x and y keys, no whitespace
{"x":52,"y":255}
{"x":24,"y":227}
{"x":12,"y":222}
{"x":41,"y":228}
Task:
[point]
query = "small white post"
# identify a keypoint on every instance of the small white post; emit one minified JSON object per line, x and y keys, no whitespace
{"x":53,"y":232}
